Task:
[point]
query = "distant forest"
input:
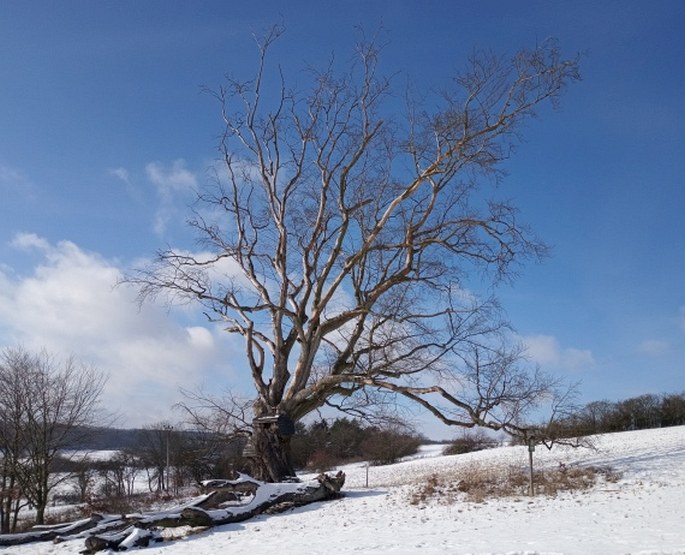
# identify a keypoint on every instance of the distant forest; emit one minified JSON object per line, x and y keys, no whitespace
{"x":637,"y":413}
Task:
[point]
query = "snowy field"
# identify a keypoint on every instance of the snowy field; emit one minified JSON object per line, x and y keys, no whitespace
{"x":643,"y":513}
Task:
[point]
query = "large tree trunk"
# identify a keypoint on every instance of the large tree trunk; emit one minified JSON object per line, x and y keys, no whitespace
{"x":269,"y":450}
{"x":40,"y":514}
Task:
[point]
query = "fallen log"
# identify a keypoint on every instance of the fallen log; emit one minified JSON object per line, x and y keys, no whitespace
{"x":43,"y":533}
{"x":228,"y":501}
{"x":121,"y":541}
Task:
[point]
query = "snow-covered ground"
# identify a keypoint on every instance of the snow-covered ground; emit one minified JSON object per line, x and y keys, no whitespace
{"x":643,"y":513}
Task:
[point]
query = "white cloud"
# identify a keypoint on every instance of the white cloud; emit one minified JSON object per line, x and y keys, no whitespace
{"x":29,"y":241}
{"x":123,"y":175}
{"x":15,"y":185}
{"x":201,"y":338}
{"x":546,"y":351}
{"x":577,"y":359}
{"x":70,"y":304}
{"x":653,"y":347}
{"x":169,"y":183}
{"x":177,"y":178}
{"x":14,"y":179}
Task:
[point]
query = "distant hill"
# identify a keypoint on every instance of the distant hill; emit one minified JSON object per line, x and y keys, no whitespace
{"x":104,"y":439}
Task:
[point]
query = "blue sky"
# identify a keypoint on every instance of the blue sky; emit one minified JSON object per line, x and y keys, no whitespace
{"x":104,"y":132}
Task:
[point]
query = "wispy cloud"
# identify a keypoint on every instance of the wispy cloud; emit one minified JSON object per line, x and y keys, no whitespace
{"x":29,"y":241}
{"x":70,"y":304}
{"x":123,"y":175}
{"x":176,"y":178}
{"x":14,"y":181}
{"x":653,"y":347}
{"x":170,"y":183}
{"x":546,"y":351}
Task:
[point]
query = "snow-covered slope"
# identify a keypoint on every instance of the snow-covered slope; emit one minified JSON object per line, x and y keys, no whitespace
{"x":642,"y":513}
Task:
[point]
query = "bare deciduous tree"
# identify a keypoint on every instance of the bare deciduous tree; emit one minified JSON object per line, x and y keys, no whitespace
{"x":11,"y":442}
{"x":346,"y":243}
{"x":44,"y":406}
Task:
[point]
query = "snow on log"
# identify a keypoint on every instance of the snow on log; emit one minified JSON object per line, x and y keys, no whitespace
{"x":52,"y":532}
{"x":128,"y":538}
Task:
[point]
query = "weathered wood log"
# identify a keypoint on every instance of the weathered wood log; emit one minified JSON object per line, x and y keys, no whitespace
{"x":7,"y":540}
{"x":197,"y":517}
{"x":50,"y":532}
{"x":240,"y":486}
{"x":101,"y":542}
{"x":132,"y":536}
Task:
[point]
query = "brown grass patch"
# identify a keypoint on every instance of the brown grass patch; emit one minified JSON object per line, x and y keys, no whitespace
{"x":477,"y":483}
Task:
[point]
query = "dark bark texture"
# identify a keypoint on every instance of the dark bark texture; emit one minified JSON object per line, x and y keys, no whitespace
{"x":269,"y":454}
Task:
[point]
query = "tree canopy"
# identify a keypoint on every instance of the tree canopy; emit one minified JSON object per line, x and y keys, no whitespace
{"x":354,"y":248}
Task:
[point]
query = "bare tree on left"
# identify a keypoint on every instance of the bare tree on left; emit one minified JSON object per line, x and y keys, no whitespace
{"x":46,"y":405}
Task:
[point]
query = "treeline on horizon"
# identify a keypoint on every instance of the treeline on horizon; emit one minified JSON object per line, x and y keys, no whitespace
{"x":346,"y":439}
{"x":636,"y":413}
